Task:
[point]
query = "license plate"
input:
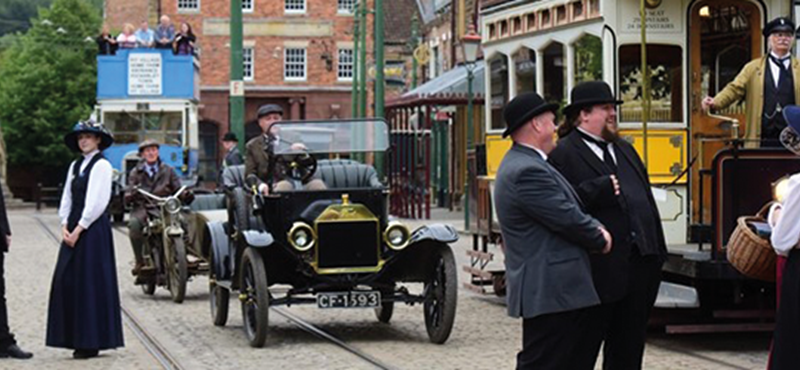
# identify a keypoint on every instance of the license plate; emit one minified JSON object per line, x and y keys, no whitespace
{"x":349,"y":300}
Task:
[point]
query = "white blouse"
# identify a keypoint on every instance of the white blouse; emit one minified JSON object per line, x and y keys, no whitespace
{"x":98,"y":191}
{"x":786,"y":231}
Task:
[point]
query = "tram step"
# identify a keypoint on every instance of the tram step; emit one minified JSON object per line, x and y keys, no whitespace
{"x":485,"y":256}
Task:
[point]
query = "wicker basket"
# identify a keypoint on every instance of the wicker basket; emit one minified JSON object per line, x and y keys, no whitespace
{"x":749,"y":253}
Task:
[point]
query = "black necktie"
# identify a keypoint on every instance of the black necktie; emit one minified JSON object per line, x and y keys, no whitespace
{"x":781,"y":67}
{"x":607,"y":158}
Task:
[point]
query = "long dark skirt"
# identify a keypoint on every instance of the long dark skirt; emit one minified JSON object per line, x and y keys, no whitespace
{"x":84,"y":310}
{"x":786,"y":341}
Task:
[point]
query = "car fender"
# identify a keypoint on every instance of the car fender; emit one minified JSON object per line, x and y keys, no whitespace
{"x":258,"y":238}
{"x":223,"y":263}
{"x":437,"y":232}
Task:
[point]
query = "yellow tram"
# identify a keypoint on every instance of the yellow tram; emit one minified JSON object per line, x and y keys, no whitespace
{"x":704,"y":174}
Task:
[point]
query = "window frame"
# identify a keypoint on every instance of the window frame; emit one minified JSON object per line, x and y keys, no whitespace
{"x":339,"y":64}
{"x":286,"y":77}
{"x":251,"y":8}
{"x":344,"y":11}
{"x":184,"y":9}
{"x":286,"y":10}
{"x":252,"y":53}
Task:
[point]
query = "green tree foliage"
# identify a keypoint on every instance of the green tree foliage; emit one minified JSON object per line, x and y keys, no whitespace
{"x":15,"y":15}
{"x":48,"y":82}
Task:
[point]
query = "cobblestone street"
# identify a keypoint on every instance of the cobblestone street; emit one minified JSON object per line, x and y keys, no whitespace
{"x":483,"y":336}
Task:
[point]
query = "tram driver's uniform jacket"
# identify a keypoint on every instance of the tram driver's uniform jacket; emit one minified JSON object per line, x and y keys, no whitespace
{"x":763,"y":100}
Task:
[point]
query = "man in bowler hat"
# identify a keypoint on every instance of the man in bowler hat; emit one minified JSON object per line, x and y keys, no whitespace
{"x":547,"y":238}
{"x":232,"y":156}
{"x":613,"y":183}
{"x":768,"y":84}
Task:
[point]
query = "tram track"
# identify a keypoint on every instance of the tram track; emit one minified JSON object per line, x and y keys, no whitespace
{"x":150,"y":343}
{"x":314,"y":330}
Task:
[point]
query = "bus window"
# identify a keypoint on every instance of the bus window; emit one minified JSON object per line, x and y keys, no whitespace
{"x":665,"y":83}
{"x":554,"y":73}
{"x":588,"y":59}
{"x":164,"y":127}
{"x":499,"y":89}
{"x":525,"y":65}
{"x":125,"y":126}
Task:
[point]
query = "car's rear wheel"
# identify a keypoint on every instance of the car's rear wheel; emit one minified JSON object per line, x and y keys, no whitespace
{"x":255,"y":298}
{"x":441,"y":295}
{"x":219,"y":298}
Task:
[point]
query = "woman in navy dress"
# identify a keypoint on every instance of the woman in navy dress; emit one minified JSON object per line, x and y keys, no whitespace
{"x":84,"y":312}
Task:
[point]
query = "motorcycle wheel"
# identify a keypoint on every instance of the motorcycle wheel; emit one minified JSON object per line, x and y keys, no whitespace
{"x":177,"y":270}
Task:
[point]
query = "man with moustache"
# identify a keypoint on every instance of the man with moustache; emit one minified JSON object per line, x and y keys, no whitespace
{"x":547,"y":240}
{"x":613,"y":183}
{"x":768,"y":84}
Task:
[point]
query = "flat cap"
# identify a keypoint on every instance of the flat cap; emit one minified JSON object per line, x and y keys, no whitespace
{"x":269,"y":109}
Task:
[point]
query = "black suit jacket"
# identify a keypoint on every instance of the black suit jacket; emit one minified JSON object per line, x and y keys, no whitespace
{"x":4,"y":228}
{"x":591,"y":179}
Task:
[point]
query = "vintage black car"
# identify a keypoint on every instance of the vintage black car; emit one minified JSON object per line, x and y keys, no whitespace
{"x":333,"y":248}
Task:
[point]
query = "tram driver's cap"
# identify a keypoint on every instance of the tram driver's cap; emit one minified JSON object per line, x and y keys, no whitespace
{"x":780,"y":24}
{"x":523,"y":108}
{"x":269,"y":109}
{"x":790,"y":136}
{"x":148,"y":143}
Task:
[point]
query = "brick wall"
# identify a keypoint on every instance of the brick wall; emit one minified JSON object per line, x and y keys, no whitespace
{"x":119,"y":12}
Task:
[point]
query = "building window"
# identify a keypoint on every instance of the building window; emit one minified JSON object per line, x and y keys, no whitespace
{"x":295,"y":6}
{"x":345,"y":67}
{"x":247,"y":6}
{"x":247,"y":60}
{"x":294,"y":64}
{"x":188,"y":5}
{"x":346,"y":6}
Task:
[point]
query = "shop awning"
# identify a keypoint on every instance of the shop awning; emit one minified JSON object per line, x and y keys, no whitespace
{"x":450,"y":88}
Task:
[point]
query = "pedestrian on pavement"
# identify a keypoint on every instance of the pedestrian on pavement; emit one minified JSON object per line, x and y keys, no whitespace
{"x":785,"y":235}
{"x":165,"y":33}
{"x":613,"y":183}
{"x":260,"y":149}
{"x":84,"y":311}
{"x":158,"y":178}
{"x":145,"y":38}
{"x":8,"y":346}
{"x":184,"y":41}
{"x":232,"y":156}
{"x":767,"y":84}
{"x":547,"y":240}
{"x":127,"y":39}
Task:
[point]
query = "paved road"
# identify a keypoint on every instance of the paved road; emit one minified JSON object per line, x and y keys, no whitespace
{"x":483,"y":337}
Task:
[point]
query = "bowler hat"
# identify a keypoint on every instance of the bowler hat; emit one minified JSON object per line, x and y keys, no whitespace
{"x":524,"y":107}
{"x":780,"y":24}
{"x":587,"y":94}
{"x":269,"y":109}
{"x":230,"y":136}
{"x":88,"y":126}
{"x":148,"y":143}
{"x":790,"y":136}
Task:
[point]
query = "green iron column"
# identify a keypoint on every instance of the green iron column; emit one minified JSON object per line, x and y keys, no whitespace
{"x":362,"y":60}
{"x":355,"y":93}
{"x":237,"y":71}
{"x":380,"y":79}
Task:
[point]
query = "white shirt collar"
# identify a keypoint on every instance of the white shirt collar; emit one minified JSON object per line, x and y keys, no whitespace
{"x":591,"y":135}
{"x":541,"y":153}
{"x":788,"y":55}
{"x":90,"y":154}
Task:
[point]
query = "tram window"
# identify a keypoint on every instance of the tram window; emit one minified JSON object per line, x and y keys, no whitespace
{"x":517,"y":23}
{"x":588,"y":59}
{"x":525,"y":68}
{"x":531,"y":23}
{"x":665,"y":83}
{"x":577,"y":10}
{"x":594,"y":7}
{"x":554,"y":73}
{"x":545,"y":17}
{"x":499,"y":90}
{"x":561,"y":14}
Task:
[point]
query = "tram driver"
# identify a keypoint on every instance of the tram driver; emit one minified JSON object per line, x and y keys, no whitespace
{"x":767,"y":93}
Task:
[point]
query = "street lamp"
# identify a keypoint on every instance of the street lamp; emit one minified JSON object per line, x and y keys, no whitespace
{"x":469,"y":45}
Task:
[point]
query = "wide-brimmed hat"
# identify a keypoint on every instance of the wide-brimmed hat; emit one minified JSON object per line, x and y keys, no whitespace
{"x":780,"y":24}
{"x":148,"y":143}
{"x":269,"y":109}
{"x":523,"y":108}
{"x":587,"y":94}
{"x":790,"y":136}
{"x":230,"y":136}
{"x":88,"y":126}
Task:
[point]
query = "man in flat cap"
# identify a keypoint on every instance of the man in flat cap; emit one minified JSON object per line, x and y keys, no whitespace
{"x":547,"y":238}
{"x":768,"y":84}
{"x":156,"y":177}
{"x":260,"y":149}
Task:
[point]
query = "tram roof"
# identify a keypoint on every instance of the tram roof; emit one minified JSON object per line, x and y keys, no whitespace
{"x":448,"y":88}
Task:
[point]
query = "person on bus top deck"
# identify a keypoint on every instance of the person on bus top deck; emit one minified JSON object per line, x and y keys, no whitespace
{"x":145,"y":38}
{"x":106,"y":44}
{"x":165,"y":33}
{"x":768,"y":84}
{"x":260,"y":149}
{"x":783,"y":218}
{"x":127,"y":39}
{"x":153,"y":176}
{"x":84,"y":308}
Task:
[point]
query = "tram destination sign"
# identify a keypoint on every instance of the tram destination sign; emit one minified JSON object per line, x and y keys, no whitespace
{"x":664,"y":18}
{"x":144,"y":74}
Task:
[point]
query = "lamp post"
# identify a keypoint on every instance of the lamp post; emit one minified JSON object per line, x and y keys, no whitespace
{"x":469,"y":44}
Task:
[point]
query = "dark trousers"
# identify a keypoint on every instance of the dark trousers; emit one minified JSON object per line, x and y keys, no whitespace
{"x":548,"y":340}
{"x":622,"y":324}
{"x":6,"y":338}
{"x":786,"y":339}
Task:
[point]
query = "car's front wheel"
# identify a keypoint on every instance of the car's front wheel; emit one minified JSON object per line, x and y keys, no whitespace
{"x":384,"y":312}
{"x":255,"y":297}
{"x":441,"y":294}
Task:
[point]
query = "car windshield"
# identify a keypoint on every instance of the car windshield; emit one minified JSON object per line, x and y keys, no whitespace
{"x":343,"y":136}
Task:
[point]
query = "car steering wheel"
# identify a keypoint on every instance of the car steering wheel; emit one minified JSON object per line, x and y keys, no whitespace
{"x":298,"y":166}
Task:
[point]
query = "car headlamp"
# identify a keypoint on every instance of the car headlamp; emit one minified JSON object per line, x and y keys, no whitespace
{"x":779,"y":189}
{"x":302,"y":236}
{"x":172,"y":205}
{"x":396,"y":235}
